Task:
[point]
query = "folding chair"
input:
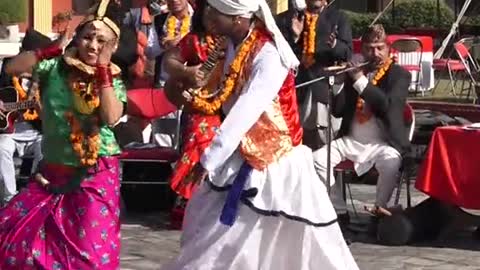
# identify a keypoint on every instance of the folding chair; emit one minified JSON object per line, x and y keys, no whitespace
{"x":472,"y":68}
{"x":347,"y":166}
{"x":151,"y":104}
{"x":412,"y":62}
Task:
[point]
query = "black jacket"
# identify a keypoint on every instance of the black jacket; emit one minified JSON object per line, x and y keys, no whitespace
{"x":324,"y":55}
{"x":387,"y":102}
{"x":158,"y":24}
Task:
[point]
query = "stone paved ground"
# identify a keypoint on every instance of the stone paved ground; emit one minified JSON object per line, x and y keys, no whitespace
{"x":147,"y":244}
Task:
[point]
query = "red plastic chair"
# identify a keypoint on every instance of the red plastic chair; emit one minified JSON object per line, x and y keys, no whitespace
{"x":348,"y":166}
{"x":150,"y":104}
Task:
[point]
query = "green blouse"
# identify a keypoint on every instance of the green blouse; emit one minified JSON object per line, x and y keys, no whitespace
{"x":57,"y":98}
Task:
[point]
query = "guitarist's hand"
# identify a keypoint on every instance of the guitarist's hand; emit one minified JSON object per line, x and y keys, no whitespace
{"x":196,"y":76}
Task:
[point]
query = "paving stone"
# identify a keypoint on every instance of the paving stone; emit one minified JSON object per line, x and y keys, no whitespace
{"x":148,"y":244}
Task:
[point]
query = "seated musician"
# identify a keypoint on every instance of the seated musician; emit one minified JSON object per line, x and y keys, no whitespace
{"x":373,"y":131}
{"x":23,"y":137}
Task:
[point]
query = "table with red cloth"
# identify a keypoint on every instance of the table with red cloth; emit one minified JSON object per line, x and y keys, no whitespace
{"x":450,"y":170}
{"x":411,"y":58}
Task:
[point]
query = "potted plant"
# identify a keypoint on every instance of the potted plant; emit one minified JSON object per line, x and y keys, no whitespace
{"x":12,"y":13}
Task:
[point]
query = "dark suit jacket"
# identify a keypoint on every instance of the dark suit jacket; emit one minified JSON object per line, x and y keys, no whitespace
{"x":387,"y":102}
{"x":324,"y":55}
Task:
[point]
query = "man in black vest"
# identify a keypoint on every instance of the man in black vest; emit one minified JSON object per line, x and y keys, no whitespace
{"x":373,"y":130}
{"x":320,"y":36}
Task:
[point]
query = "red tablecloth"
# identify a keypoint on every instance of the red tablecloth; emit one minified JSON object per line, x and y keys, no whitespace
{"x":427,"y":42}
{"x":451,"y":169}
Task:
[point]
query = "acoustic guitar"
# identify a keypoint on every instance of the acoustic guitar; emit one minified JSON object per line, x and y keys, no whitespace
{"x":11,"y":106}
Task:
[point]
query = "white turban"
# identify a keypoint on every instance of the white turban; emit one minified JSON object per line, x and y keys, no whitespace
{"x":260,"y":8}
{"x":299,"y":4}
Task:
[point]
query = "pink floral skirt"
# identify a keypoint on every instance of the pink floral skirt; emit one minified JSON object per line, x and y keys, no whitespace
{"x":76,"y":230}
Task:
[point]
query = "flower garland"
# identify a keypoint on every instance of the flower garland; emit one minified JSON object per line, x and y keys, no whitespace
{"x":86,"y":146}
{"x":85,"y":98}
{"x":361,"y":115}
{"x":29,"y":114}
{"x":211,"y":43}
{"x":309,"y":39}
{"x":211,"y":106}
{"x":172,"y":23}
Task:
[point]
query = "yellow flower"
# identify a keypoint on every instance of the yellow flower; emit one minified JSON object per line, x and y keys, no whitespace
{"x":172,"y":22}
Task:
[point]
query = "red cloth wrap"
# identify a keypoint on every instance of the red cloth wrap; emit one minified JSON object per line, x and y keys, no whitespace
{"x":200,"y":128}
{"x":103,"y":77}
{"x":449,"y":171}
{"x":289,"y":107}
{"x":48,"y":53}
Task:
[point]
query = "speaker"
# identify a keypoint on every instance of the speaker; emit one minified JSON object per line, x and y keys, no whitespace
{"x":424,"y":222}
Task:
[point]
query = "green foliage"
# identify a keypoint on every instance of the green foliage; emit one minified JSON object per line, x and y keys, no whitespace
{"x":13,"y":11}
{"x":423,"y":14}
{"x":408,"y":14}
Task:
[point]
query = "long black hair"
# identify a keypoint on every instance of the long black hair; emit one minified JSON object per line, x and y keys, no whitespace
{"x":197,"y":18}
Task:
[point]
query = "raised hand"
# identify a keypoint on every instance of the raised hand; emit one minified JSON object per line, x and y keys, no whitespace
{"x":297,"y":26}
{"x":65,"y":37}
{"x":332,"y":39}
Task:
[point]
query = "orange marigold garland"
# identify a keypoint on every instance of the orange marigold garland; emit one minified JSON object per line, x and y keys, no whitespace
{"x":85,"y":144}
{"x":29,"y":114}
{"x":211,"y":43}
{"x":213,"y":105}
{"x":85,"y":99}
{"x":361,"y":114}
{"x":172,"y":26}
{"x":308,"y":58}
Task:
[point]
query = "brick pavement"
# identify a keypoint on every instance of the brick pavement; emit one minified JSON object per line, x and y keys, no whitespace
{"x":147,"y":245}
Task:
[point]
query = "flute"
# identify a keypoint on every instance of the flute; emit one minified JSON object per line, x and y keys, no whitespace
{"x":339,"y":70}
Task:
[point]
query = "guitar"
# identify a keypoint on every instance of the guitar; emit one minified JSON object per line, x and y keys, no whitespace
{"x":180,"y":96}
{"x":9,"y":97}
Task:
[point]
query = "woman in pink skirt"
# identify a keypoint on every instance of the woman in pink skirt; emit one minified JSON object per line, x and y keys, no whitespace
{"x":68,"y":216}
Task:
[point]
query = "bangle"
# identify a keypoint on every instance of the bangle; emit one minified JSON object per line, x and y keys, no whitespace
{"x":104,"y":78}
{"x":48,"y":53}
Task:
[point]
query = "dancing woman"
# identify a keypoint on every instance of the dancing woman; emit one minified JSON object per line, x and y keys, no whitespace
{"x":68,"y":217}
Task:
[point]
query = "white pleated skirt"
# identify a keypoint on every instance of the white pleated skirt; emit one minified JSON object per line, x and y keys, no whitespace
{"x":290,"y":223}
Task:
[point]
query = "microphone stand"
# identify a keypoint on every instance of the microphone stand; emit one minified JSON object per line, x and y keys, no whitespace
{"x":331,"y":82}
{"x":332,"y":72}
